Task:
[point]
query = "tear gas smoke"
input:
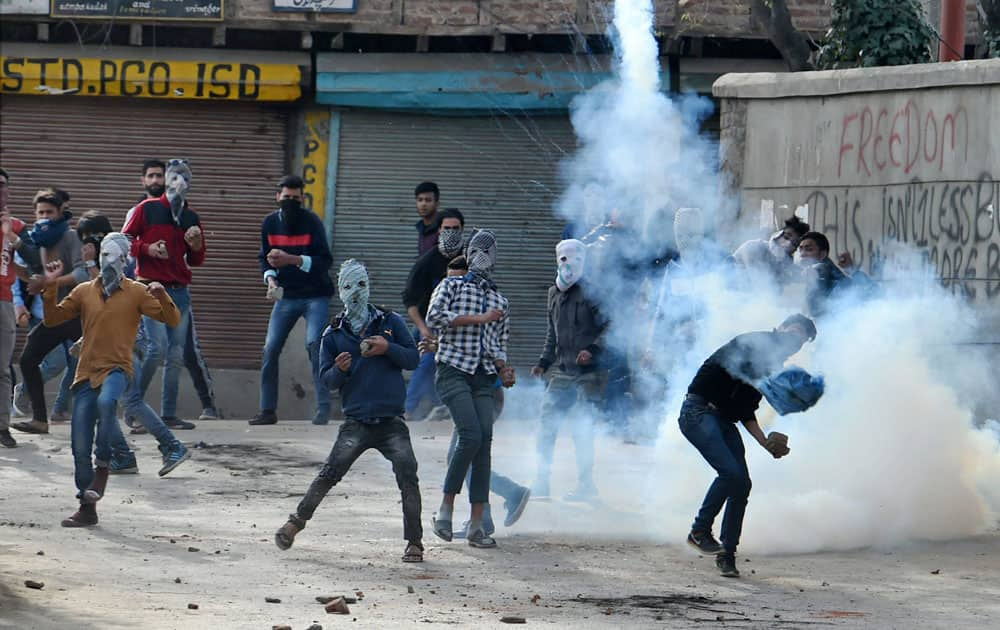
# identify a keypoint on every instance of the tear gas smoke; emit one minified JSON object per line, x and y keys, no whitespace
{"x":891,"y":452}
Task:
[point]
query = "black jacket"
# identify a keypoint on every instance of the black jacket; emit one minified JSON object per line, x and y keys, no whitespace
{"x":574,"y":324}
{"x":425,"y":274}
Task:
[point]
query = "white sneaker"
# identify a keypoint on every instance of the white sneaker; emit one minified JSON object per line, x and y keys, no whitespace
{"x":21,"y":404}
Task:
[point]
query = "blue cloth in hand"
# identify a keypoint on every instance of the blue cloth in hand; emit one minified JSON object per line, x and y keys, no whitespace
{"x":792,"y":390}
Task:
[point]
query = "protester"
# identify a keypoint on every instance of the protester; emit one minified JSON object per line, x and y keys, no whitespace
{"x":824,"y":279}
{"x":57,"y":243}
{"x":427,"y":196}
{"x":166,"y":242}
{"x":469,"y":317}
{"x":363,"y":354}
{"x":295,"y":260}
{"x":571,"y":356}
{"x":773,"y":257}
{"x":722,"y":394}
{"x":430,"y":268}
{"x":109,"y":310}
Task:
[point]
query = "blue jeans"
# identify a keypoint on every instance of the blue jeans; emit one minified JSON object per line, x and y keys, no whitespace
{"x":719,"y":442}
{"x":562,"y":393}
{"x":421,"y":387}
{"x":95,"y":409}
{"x":57,"y":362}
{"x":137,"y":407}
{"x":284,"y":315}
{"x":165,"y":344}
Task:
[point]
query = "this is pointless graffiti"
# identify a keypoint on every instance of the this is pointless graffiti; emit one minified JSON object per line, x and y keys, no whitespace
{"x":876,"y":140}
{"x":955,"y":224}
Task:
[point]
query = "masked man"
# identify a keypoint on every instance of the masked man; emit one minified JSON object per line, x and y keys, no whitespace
{"x":364,"y":353}
{"x":166,"y":242}
{"x":570,"y":357}
{"x":295,"y":260}
{"x":722,"y":394}
{"x":427,"y":271}
{"x":109,"y":309}
{"x":469,"y":317}
{"x":773,"y":256}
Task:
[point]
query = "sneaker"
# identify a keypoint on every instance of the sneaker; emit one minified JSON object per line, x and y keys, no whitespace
{"x":321,"y":417}
{"x":284,"y":538}
{"x":726,"y":564}
{"x":35,"y":426}
{"x":174,"y":458}
{"x":136,"y":427}
{"x":60,"y":417}
{"x":515,"y":506}
{"x":209,"y":413}
{"x":21,"y":404}
{"x":7,"y":440}
{"x":704,"y":542}
{"x":488,"y":526}
{"x":84,"y":517}
{"x":481,"y":540}
{"x":583,"y":494}
{"x":176,"y":423}
{"x":123,"y":464}
{"x":267,"y":416}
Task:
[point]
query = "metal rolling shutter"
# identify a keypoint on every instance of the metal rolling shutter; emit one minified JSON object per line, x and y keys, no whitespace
{"x":501,"y":171}
{"x":94,"y":148}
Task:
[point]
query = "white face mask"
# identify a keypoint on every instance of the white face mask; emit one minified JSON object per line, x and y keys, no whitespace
{"x":113,"y":255}
{"x":689,"y":231}
{"x":571,"y":256}
{"x":352,"y":288}
{"x":779,"y":246}
{"x":803,"y":261}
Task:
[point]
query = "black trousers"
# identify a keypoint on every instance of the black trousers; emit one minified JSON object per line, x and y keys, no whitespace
{"x":41,"y":341}
{"x":392,"y":439}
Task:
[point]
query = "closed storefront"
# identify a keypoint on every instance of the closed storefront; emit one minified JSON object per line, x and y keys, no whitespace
{"x":53,"y":134}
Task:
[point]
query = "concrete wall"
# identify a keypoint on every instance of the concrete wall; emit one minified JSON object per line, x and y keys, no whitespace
{"x":908,"y":154}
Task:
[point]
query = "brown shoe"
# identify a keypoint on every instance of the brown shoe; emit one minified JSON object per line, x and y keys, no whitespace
{"x":96,"y":489}
{"x":285,"y":536}
{"x":84,"y":517}
{"x":35,"y":426}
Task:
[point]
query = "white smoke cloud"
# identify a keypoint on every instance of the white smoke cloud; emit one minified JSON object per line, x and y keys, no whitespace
{"x":890,"y":454}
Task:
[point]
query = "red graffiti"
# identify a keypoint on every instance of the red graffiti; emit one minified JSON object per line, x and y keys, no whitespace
{"x":901,"y":140}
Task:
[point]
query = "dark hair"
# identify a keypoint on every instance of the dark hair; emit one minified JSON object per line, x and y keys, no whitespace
{"x":62,"y":196}
{"x":291,"y":181}
{"x":798,"y":225}
{"x":803,"y":321}
{"x":47,"y":195}
{"x":427,"y":187}
{"x":153,"y":163}
{"x":5,"y":175}
{"x":451,"y":213}
{"x":92,"y":223}
{"x":821,"y":241}
{"x":458,"y":262}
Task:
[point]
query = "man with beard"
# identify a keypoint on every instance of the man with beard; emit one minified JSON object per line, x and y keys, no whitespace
{"x":166,"y":242}
{"x":427,"y":197}
{"x":364,"y":352}
{"x":109,"y":309}
{"x":58,"y":244}
{"x":723,"y":393}
{"x":12,"y":242}
{"x":469,"y":317}
{"x":153,"y":172}
{"x":571,"y":355}
{"x":295,"y":260}
{"x":426,"y":273}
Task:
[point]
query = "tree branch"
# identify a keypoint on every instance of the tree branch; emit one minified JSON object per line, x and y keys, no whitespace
{"x":773,"y":16}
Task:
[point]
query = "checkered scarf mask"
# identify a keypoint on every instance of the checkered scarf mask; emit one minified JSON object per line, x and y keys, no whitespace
{"x":177,"y":179}
{"x":481,"y":253}
{"x":352,"y":287}
{"x":450,"y":241}
{"x":114,"y":256}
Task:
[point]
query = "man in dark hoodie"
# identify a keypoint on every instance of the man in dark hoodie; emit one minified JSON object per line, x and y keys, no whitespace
{"x":295,"y":260}
{"x":722,"y":394}
{"x":58,"y":243}
{"x":364,"y":353}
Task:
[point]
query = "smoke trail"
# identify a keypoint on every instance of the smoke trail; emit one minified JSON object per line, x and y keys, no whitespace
{"x":890,"y":454}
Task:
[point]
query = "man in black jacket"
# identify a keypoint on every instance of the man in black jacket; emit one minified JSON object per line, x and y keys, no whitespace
{"x":295,"y":260}
{"x":722,"y":394}
{"x":571,"y":356}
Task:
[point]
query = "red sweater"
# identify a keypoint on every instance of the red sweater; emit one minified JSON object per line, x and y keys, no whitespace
{"x":152,"y":221}
{"x":7,"y":275}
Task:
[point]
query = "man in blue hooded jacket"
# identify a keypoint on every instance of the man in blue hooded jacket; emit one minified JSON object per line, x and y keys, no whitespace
{"x":363,"y":355}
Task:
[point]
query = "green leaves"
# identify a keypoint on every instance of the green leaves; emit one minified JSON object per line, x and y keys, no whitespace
{"x":868,"y":33}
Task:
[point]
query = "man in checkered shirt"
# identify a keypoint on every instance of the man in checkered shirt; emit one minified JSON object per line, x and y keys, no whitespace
{"x":470,"y":318}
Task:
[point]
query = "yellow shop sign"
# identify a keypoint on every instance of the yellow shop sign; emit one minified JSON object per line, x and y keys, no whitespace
{"x":146,"y":78}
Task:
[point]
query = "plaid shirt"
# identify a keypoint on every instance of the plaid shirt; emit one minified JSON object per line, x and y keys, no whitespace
{"x":468,"y":347}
